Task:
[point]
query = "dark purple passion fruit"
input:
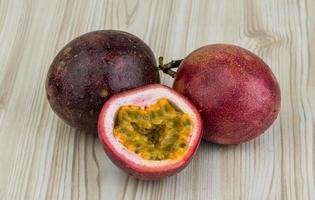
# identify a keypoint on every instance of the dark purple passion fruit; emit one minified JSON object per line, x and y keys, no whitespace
{"x":93,"y":67}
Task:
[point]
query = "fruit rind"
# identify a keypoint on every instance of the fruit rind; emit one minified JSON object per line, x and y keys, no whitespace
{"x":235,"y":91}
{"x":131,"y":163}
{"x":91,"y":68}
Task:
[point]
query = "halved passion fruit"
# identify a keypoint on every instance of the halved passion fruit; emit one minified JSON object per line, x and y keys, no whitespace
{"x":150,"y":132}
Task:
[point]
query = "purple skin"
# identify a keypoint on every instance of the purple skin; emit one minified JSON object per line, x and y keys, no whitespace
{"x":235,"y":91}
{"x":93,"y":67}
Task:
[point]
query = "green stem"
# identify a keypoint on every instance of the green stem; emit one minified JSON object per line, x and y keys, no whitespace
{"x":167,"y":68}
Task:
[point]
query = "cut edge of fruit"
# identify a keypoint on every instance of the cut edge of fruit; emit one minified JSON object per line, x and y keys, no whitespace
{"x":146,"y":96}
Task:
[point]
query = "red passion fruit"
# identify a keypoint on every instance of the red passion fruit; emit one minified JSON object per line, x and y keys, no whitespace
{"x":150,"y":132}
{"x":235,"y":91}
{"x":91,"y":68}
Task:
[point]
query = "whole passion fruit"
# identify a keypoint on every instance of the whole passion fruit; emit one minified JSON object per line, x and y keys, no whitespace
{"x":150,"y":132}
{"x":91,"y":68}
{"x":235,"y":91}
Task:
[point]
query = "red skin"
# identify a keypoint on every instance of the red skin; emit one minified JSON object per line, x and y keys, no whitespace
{"x":140,"y":171}
{"x":235,"y":91}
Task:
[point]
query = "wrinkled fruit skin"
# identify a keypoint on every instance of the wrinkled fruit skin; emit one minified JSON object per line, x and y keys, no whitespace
{"x":91,"y":68}
{"x":235,"y":91}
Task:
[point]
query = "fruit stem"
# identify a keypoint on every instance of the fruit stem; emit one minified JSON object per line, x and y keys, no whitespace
{"x":167,"y":68}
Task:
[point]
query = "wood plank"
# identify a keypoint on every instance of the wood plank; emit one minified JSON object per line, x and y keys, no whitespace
{"x":42,"y":158}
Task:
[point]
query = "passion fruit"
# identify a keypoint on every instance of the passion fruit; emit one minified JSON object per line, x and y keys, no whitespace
{"x":93,"y":67}
{"x":235,"y":91}
{"x":150,"y":132}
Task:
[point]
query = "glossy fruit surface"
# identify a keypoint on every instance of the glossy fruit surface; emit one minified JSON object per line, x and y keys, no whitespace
{"x":150,"y":132}
{"x":91,"y":68}
{"x":235,"y":91}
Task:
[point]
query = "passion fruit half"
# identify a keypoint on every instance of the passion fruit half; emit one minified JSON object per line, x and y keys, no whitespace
{"x":150,"y":132}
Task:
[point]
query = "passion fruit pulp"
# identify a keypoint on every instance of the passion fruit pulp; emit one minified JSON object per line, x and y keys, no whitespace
{"x":150,"y":132}
{"x":93,"y":67}
{"x":235,"y":91}
{"x":157,"y":132}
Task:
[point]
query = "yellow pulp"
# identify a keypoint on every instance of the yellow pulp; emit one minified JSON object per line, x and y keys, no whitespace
{"x":158,"y":132}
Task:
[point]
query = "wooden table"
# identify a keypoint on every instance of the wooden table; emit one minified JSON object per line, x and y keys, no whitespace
{"x":43,"y":158}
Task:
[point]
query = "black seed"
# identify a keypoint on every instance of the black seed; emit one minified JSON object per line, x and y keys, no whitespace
{"x":186,"y":122}
{"x":138,"y":145}
{"x":167,"y":108}
{"x":182,"y":145}
{"x":168,"y":148}
{"x":166,"y":154}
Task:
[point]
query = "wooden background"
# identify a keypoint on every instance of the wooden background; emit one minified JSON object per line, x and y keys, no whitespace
{"x":42,"y":158}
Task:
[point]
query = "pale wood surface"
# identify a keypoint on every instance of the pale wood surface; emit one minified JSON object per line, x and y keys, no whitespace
{"x":42,"y":158}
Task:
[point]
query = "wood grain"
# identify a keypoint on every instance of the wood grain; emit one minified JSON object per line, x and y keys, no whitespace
{"x":42,"y":158}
